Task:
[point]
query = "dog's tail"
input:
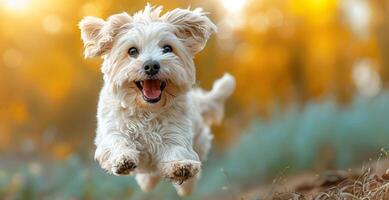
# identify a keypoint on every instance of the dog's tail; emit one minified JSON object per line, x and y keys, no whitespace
{"x":212,"y":102}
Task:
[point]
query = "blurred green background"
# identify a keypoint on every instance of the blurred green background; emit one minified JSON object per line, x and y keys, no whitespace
{"x":311,"y":94}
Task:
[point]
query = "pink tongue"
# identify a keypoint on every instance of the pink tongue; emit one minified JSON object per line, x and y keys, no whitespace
{"x":152,"y":88}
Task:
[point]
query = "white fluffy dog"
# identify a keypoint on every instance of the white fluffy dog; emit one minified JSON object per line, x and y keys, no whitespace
{"x":152,"y":123}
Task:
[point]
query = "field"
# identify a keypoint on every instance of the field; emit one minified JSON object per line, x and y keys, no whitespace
{"x":308,"y":118}
{"x":299,"y":141}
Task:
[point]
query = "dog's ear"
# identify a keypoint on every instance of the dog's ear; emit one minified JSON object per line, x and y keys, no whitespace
{"x":192,"y":26}
{"x":98,"y":35}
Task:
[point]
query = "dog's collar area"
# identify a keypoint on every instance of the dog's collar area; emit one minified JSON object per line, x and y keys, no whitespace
{"x":151,"y":89}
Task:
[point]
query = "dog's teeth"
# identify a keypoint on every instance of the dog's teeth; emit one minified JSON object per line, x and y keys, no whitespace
{"x":141,"y":83}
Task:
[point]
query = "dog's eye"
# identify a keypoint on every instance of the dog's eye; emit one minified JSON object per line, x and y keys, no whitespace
{"x":133,"y":52}
{"x":167,"y":49}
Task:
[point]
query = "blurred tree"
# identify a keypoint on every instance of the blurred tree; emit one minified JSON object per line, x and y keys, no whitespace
{"x":281,"y":52}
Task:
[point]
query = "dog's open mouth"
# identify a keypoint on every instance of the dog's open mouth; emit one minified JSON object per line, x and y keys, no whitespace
{"x":151,"y":89}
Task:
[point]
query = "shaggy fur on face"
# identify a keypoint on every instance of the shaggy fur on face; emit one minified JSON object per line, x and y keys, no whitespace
{"x":152,"y":123}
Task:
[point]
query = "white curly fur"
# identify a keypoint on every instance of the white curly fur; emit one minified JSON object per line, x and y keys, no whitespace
{"x":167,"y":139}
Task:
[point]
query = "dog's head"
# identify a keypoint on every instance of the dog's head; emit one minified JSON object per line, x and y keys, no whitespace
{"x":148,"y":57}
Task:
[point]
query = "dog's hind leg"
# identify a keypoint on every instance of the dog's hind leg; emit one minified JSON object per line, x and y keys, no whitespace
{"x":147,"y":182}
{"x":202,"y":142}
{"x":187,"y":187}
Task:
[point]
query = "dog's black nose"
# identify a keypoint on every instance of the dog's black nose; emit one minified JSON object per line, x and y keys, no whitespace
{"x":151,"y":67}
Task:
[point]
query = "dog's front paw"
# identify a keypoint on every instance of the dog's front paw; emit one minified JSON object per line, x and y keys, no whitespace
{"x":123,"y":165}
{"x":180,"y":171}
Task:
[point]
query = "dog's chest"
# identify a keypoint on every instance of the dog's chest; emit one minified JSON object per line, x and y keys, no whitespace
{"x":150,"y":132}
{"x":143,"y":130}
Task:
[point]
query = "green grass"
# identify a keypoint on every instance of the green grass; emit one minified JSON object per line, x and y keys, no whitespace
{"x":292,"y":141}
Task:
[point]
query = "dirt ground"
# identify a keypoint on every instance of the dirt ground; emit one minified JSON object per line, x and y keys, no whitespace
{"x":369,"y":182}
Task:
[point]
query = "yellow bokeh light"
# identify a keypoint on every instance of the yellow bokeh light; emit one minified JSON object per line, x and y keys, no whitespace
{"x":52,"y":24}
{"x":233,"y":5}
{"x":233,"y":17}
{"x":15,"y":5}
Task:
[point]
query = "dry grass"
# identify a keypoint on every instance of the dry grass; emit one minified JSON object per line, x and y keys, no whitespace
{"x":369,"y":183}
{"x":341,"y":185}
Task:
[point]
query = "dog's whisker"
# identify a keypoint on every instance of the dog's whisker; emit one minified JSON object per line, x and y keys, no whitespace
{"x":171,"y":94}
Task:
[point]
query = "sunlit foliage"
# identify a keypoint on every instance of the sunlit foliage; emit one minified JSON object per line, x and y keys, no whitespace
{"x":282,"y":53}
